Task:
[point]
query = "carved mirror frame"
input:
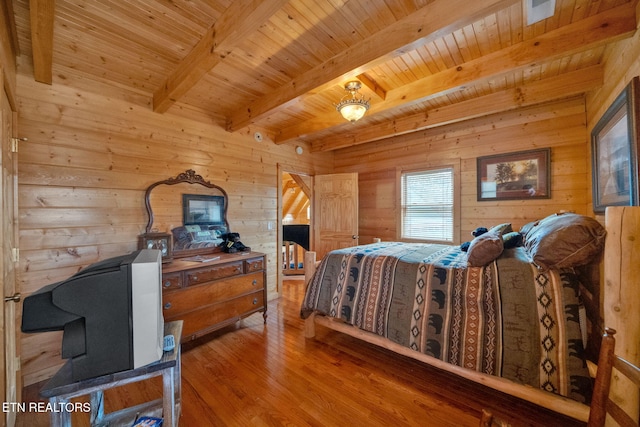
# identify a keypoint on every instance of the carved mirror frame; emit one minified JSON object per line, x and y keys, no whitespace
{"x":187,"y":177}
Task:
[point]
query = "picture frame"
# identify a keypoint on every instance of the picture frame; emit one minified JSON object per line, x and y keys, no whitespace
{"x":161,"y":241}
{"x":515,"y":176}
{"x":614,"y":152}
{"x":199,"y":209}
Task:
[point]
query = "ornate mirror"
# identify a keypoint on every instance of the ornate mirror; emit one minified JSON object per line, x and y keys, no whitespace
{"x":187,"y":214}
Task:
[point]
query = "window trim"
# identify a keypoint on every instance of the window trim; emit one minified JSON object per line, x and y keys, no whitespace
{"x":455,"y":166}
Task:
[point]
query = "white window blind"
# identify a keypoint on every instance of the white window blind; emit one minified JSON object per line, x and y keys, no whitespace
{"x":427,"y":205}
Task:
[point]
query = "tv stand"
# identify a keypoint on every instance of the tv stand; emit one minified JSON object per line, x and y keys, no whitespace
{"x":62,"y":388}
{"x":214,"y":290}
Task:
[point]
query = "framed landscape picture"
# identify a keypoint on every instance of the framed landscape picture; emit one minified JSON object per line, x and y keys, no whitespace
{"x":614,"y":150}
{"x":513,"y":176}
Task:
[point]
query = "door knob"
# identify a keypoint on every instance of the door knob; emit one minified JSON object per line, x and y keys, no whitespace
{"x":355,"y":236}
{"x":15,"y":298}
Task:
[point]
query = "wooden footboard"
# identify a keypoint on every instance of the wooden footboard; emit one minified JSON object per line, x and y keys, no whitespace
{"x":559,"y":404}
{"x":621,"y":302}
{"x":539,"y":397}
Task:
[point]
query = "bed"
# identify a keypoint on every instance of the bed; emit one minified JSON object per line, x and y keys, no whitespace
{"x":522,"y":319}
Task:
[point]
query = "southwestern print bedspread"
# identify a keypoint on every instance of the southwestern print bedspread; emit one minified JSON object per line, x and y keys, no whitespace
{"x":505,"y":319}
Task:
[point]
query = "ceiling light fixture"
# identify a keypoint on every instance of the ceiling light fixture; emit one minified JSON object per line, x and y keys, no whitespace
{"x":353,"y":108}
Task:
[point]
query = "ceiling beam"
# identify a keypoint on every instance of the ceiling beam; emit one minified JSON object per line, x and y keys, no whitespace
{"x":588,"y":33}
{"x":303,"y":185}
{"x":41,"y":17}
{"x":9,"y":51}
{"x":432,"y":21}
{"x":239,"y":20}
{"x":538,"y":92}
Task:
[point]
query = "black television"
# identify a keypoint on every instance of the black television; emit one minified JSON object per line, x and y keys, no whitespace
{"x":110,"y":313}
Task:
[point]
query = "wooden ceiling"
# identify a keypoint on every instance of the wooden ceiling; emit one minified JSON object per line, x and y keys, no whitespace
{"x":279,"y":66}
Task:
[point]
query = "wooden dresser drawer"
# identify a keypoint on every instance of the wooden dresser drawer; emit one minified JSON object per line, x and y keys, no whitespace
{"x":207,"y":274}
{"x":171,"y":280}
{"x":190,"y":298}
{"x":208,"y":318}
{"x":211,"y":295}
{"x":255,"y":264}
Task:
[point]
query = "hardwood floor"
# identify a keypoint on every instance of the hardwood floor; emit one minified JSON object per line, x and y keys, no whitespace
{"x":270,"y":375}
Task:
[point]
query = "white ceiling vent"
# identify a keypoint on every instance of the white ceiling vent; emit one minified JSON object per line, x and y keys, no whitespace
{"x":537,"y":10}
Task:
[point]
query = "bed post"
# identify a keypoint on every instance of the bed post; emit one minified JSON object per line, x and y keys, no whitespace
{"x":309,"y":265}
{"x":622,"y":295}
{"x":309,"y":269}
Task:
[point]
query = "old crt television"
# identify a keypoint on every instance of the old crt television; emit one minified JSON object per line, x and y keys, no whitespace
{"x":110,"y":313}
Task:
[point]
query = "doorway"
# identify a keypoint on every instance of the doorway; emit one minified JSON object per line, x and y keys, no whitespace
{"x":296,"y":222}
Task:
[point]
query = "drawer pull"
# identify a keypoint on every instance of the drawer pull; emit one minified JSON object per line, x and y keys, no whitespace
{"x":255,"y":282}
{"x":194,"y":278}
{"x":255,"y":301}
{"x":167,"y":306}
{"x":167,"y":284}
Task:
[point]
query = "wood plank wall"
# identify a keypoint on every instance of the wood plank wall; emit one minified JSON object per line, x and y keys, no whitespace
{"x":90,"y":155}
{"x":559,"y":125}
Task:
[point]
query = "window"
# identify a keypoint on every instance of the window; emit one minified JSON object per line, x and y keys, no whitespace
{"x":428,"y":204}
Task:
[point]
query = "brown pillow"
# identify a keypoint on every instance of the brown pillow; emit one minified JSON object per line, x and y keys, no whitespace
{"x":565,"y":240}
{"x":484,"y":249}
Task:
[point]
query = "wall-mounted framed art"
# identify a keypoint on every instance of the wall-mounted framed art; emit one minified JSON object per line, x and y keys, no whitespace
{"x":614,"y":151}
{"x":514,"y":176}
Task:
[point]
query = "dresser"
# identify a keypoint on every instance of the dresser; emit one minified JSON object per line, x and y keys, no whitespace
{"x":213,"y":292}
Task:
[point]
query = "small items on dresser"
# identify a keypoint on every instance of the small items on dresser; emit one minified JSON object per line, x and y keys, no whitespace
{"x":155,"y":240}
{"x":232,"y":244}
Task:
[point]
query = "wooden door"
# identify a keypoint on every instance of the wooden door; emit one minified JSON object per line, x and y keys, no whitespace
{"x":335,"y":212}
{"x":8,"y":182}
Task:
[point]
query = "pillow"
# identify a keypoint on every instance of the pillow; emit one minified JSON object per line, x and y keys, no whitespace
{"x":202,"y":235}
{"x":512,"y":239}
{"x":527,"y":227}
{"x":502,"y":229}
{"x":180,"y":235}
{"x":484,"y":249}
{"x":565,"y":240}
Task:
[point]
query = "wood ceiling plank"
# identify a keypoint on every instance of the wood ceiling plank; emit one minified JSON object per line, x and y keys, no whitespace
{"x":427,"y":24}
{"x":41,"y":15}
{"x":588,"y":33}
{"x":239,"y":21}
{"x":538,"y":92}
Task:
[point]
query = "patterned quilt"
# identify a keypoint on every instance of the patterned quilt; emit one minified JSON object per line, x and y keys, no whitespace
{"x":505,"y":319}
